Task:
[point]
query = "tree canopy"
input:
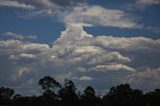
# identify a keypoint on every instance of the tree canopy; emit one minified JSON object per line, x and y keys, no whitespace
{"x":66,"y":95}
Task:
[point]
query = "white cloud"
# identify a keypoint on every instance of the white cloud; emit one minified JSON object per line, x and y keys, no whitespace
{"x":103,"y":57}
{"x":16,"y":47}
{"x":32,"y":37}
{"x":85,"y":78}
{"x":86,"y":49}
{"x":17,"y":36}
{"x":79,"y":55}
{"x":34,"y":47}
{"x":112,"y":67}
{"x":129,"y":44}
{"x":105,"y":54}
{"x":50,"y":5}
{"x":97,"y":15}
{"x":81,"y":14}
{"x":75,"y":47}
{"x":13,"y":34}
{"x":145,"y":79}
{"x":147,"y":2}
{"x":22,"y":55}
{"x":15,"y":4}
{"x":81,"y":69}
{"x":21,"y":70}
{"x":78,"y":12}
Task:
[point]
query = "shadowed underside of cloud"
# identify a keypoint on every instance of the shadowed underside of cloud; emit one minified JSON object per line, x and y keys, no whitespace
{"x":81,"y":57}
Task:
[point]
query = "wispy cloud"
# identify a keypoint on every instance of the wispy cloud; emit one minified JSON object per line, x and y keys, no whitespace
{"x":19,"y":36}
{"x":39,"y":4}
{"x":98,"y":16}
{"x":15,"y":4}
{"x":13,"y":35}
{"x":144,"y":3}
{"x":113,"y":67}
{"x":71,"y":12}
{"x":150,"y":77}
{"x":85,"y":78}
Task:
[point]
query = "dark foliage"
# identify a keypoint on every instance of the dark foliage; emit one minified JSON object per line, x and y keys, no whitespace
{"x":123,"y":95}
{"x":89,"y":98}
{"x":5,"y":95}
{"x":66,"y":95}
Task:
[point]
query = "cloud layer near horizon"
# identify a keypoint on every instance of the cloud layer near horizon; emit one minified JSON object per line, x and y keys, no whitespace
{"x":86,"y":59}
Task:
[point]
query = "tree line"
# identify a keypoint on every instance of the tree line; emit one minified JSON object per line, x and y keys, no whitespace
{"x":54,"y":94}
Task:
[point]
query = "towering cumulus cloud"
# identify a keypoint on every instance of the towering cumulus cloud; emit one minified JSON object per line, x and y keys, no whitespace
{"x":81,"y":57}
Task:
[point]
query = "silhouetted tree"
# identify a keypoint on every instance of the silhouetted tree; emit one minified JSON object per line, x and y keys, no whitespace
{"x":123,"y":95}
{"x":5,"y":95}
{"x":49,"y":96}
{"x":16,"y":96}
{"x":137,"y":98}
{"x":153,"y":98}
{"x":118,"y":96}
{"x":89,"y":92}
{"x":49,"y":84}
{"x":89,"y":98}
{"x":68,"y":93}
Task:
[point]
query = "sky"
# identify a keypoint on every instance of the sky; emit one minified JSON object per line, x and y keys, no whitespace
{"x":101,"y":43}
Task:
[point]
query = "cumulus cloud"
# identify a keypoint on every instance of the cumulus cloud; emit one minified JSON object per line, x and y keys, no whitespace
{"x":89,"y":54}
{"x":80,"y":56}
{"x":22,"y":61}
{"x":129,"y":44}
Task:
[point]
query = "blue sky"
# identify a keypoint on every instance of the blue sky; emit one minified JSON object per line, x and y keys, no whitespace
{"x":88,"y":41}
{"x":48,"y":28}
